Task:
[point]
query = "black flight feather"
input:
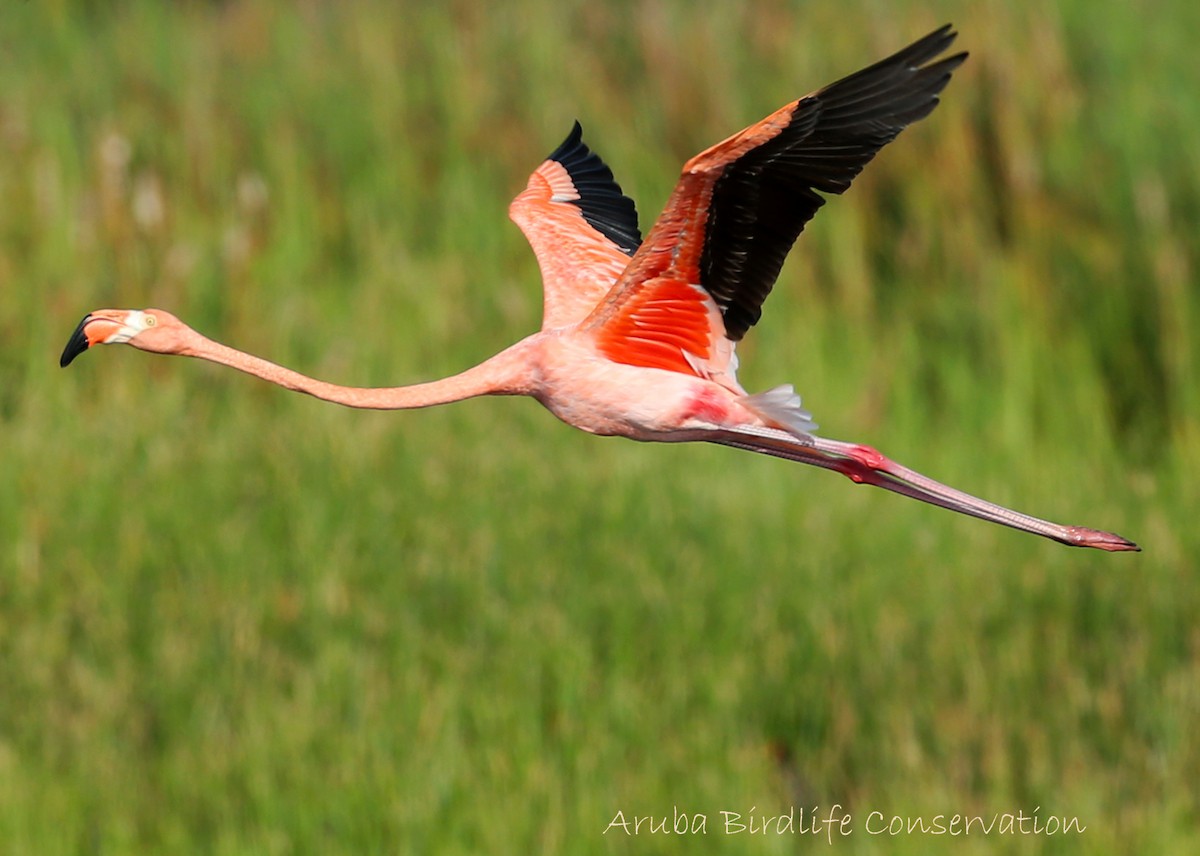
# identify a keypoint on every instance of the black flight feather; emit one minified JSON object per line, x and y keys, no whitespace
{"x":606,"y":209}
{"x":761,"y":202}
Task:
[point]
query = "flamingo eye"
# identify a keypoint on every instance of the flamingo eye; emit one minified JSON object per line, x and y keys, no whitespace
{"x":150,"y":320}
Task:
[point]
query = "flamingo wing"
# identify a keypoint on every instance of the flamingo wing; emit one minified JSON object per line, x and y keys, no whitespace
{"x":698,"y":281}
{"x":582,"y":228}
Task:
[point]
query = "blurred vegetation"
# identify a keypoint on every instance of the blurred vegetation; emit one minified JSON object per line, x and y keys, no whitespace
{"x":234,"y":620}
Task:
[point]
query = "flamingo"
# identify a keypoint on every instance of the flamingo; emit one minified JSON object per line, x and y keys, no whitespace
{"x":638,"y":337}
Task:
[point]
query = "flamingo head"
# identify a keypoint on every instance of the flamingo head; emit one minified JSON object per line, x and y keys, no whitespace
{"x":147,"y":329}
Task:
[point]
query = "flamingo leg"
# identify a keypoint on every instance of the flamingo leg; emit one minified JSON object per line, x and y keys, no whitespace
{"x":865,"y":465}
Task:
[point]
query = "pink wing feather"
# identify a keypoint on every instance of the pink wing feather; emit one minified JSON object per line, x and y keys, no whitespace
{"x":711,"y":259}
{"x":582,"y":228}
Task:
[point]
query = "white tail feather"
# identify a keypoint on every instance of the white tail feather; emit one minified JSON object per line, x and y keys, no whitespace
{"x":780,"y":406}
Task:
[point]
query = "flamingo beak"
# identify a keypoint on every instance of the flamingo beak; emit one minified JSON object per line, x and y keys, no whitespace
{"x":92,"y":330}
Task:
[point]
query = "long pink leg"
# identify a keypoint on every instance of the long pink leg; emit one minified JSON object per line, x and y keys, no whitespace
{"x":865,"y":465}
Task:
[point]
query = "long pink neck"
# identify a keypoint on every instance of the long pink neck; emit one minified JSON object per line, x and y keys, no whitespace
{"x":507,"y":373}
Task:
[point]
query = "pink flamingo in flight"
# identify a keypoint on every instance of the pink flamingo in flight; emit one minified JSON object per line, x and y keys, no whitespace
{"x":638,"y":337}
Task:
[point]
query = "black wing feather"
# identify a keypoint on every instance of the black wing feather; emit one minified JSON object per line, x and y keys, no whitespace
{"x":606,"y":209}
{"x":762,"y":201}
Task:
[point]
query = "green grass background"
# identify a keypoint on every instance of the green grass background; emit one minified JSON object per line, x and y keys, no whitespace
{"x":236,"y":620}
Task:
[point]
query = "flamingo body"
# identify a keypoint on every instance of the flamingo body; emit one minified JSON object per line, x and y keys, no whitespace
{"x":638,"y":337}
{"x":625,"y":400}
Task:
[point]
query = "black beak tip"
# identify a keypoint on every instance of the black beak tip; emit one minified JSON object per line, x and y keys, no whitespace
{"x":76,"y":345}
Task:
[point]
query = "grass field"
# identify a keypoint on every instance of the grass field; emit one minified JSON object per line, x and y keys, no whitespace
{"x":235,"y":620}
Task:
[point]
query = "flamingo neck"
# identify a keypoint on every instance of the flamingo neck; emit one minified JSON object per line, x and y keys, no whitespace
{"x":507,"y":373}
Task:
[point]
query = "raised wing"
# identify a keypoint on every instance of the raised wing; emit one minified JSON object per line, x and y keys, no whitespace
{"x":739,"y":206}
{"x":582,"y":228}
